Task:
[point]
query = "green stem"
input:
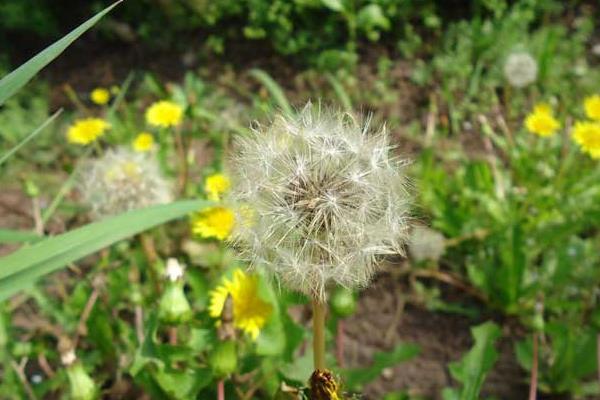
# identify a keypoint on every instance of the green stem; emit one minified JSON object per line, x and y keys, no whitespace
{"x":318,"y":334}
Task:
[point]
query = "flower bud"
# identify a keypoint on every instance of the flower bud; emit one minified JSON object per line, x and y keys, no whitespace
{"x":343,"y":303}
{"x":323,"y":386}
{"x":81,"y":384}
{"x":174,"y":307}
{"x":223,"y":359}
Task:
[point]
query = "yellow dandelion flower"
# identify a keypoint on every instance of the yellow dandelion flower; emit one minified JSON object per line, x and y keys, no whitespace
{"x":100,"y":96}
{"x":543,"y":108}
{"x":213,"y":222}
{"x":587,"y":136}
{"x":250,"y":312}
{"x":591,"y":104}
{"x":86,"y":130}
{"x":216,"y":185}
{"x":164,"y":114}
{"x":143,"y":142}
{"x":541,"y":121}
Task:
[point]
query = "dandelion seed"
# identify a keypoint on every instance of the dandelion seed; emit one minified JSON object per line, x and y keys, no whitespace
{"x":123,"y":180}
{"x":250,"y":312}
{"x":100,"y":96}
{"x":143,"y":142}
{"x":216,"y":185}
{"x":520,"y":69}
{"x":587,"y":136}
{"x":164,"y":114}
{"x":327,"y":198}
{"x":87,"y":130}
{"x":541,"y":121}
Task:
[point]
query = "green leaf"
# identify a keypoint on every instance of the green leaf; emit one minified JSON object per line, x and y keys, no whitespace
{"x":23,"y":267}
{"x":14,"y":81}
{"x":355,"y":378}
{"x":29,"y":137}
{"x":183,"y":384}
{"x":473,"y":367}
{"x":272,"y":340}
{"x":335,"y":5}
{"x":274,"y":89}
{"x":340,"y":92}
{"x":14,"y":236}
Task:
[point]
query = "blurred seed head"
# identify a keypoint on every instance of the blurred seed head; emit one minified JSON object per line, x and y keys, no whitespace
{"x":327,"y":199}
{"x":520,"y":69}
{"x":123,"y":180}
{"x":426,"y":244}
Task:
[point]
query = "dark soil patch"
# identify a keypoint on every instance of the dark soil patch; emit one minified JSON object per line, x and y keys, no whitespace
{"x":443,"y":338}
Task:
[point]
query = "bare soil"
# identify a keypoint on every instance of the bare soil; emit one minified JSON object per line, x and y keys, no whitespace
{"x":382,"y":321}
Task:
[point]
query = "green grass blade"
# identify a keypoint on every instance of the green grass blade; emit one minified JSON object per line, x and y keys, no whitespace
{"x":22,"y":268}
{"x":14,"y":81}
{"x":274,"y":89}
{"x":33,"y":134}
{"x":64,"y":189}
{"x":340,"y":92}
{"x":15,"y":236}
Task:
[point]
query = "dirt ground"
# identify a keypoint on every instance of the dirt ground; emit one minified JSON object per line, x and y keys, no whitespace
{"x":382,"y":321}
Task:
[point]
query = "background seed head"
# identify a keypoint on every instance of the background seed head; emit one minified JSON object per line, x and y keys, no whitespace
{"x":123,"y":180}
{"x":426,"y":244}
{"x":320,"y":199}
{"x":520,"y":69}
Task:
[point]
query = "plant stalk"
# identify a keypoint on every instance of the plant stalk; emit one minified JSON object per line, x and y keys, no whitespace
{"x":221,"y":390}
{"x":339,"y":343}
{"x":534,"y":369}
{"x":318,"y":334}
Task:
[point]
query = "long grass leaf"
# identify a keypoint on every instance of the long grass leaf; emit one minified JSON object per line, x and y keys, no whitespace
{"x":341,"y":94}
{"x":274,"y":89}
{"x":23,"y":267}
{"x":14,"y":81}
{"x":33,"y":134}
{"x":16,"y":236}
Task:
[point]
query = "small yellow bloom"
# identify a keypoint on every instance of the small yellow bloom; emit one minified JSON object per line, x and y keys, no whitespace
{"x":216,"y":185}
{"x":541,"y":121}
{"x":587,"y":136}
{"x":86,"y":130}
{"x":143,"y":142}
{"x":250,"y":312}
{"x":164,"y":114}
{"x":592,"y":107}
{"x":213,"y":222}
{"x":100,"y":96}
{"x":543,"y":108}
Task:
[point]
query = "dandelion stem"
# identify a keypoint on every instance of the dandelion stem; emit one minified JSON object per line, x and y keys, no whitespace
{"x":598,"y":352}
{"x":534,"y":369}
{"x":318,"y":334}
{"x":221,"y":390}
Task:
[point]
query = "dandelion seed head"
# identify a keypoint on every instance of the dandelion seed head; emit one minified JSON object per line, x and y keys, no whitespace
{"x":520,"y":69}
{"x":426,"y":244}
{"x":123,"y":180}
{"x":328,"y":199}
